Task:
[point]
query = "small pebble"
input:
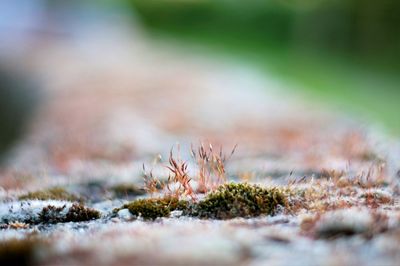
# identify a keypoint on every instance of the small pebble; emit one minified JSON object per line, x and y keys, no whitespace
{"x":125,"y":215}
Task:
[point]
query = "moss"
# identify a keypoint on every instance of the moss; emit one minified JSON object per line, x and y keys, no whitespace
{"x":55,"y":193}
{"x":79,"y":213}
{"x":18,"y":251}
{"x":52,"y":214}
{"x":123,"y":190}
{"x":228,"y":201}
{"x":148,"y":209}
{"x":151,"y":209}
{"x":239,"y":200}
{"x":76,"y":213}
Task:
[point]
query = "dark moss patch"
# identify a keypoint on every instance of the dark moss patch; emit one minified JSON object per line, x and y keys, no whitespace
{"x":76,"y":213}
{"x":52,"y":214}
{"x":127,"y":190}
{"x":18,"y":251}
{"x":55,"y":193}
{"x":239,"y":200}
{"x":79,"y":213}
{"x":151,"y":209}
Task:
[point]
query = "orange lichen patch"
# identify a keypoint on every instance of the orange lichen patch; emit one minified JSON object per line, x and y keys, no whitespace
{"x":375,"y":198}
{"x":18,"y":225}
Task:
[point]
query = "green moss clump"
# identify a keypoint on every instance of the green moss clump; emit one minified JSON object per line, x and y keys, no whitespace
{"x":239,"y":200}
{"x":56,"y":193}
{"x":79,"y":213}
{"x":17,"y":251}
{"x":227,"y":202}
{"x":123,"y":190}
{"x":150,"y":209}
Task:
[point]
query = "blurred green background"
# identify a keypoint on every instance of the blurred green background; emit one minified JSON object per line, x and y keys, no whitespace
{"x":343,"y":53}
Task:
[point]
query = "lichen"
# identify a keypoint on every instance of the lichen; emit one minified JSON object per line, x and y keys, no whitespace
{"x":123,"y":190}
{"x":239,"y":200}
{"x":150,"y":209}
{"x":55,"y":193}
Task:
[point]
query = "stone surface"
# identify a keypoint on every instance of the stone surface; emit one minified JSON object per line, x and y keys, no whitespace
{"x":107,"y":115}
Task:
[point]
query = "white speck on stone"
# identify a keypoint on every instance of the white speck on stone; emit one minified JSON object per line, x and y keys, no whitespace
{"x":105,"y":206}
{"x":124,"y":214}
{"x":176,"y":214}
